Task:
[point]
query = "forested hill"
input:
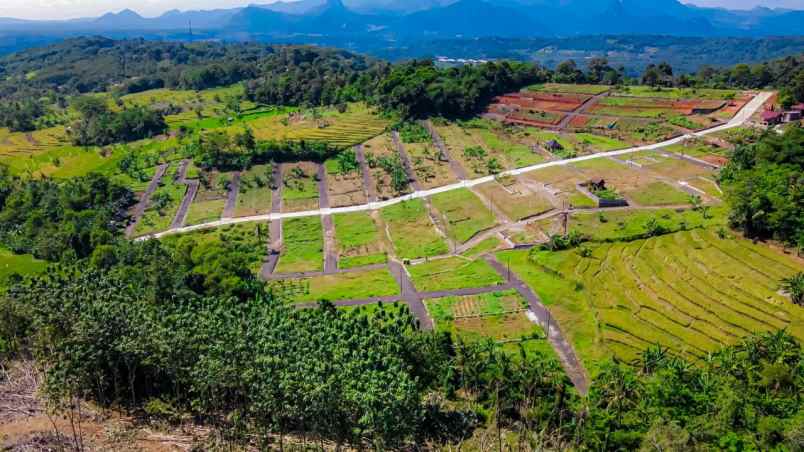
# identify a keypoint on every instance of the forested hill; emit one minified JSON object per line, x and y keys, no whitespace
{"x":94,"y":64}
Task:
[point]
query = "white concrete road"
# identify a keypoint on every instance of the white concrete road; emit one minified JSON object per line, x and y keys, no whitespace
{"x":738,"y":120}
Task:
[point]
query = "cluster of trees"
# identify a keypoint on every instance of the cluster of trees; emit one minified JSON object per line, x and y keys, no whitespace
{"x":100,"y":126}
{"x":21,"y":116}
{"x":764,"y":185}
{"x":135,"y":329}
{"x":60,"y":221}
{"x":420,"y":89}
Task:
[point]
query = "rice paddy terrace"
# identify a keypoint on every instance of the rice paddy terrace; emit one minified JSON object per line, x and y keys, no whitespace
{"x":442,"y":216}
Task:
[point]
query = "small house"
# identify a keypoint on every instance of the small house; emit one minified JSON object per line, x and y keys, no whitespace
{"x":771,"y":118}
{"x":799,"y":108}
{"x":792,"y":115}
{"x":553,"y":145}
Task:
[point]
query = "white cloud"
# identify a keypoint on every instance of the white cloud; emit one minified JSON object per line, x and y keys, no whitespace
{"x":69,"y":9}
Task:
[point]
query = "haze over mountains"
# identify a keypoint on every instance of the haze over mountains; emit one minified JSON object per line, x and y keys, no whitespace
{"x":420,"y":19}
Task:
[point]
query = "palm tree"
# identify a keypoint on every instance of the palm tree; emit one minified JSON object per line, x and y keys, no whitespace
{"x":794,"y":286}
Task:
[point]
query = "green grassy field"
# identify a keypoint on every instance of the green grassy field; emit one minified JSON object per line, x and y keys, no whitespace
{"x":569,"y":88}
{"x":517,"y":155}
{"x":254,"y":197}
{"x":465,"y":214}
{"x":412,"y":233}
{"x":349,"y":286}
{"x":690,"y":291}
{"x":210,"y":200}
{"x":453,"y":273}
{"x":517,"y":204}
{"x":303,"y":246}
{"x":357,"y":240}
{"x":677,"y":93}
{"x":23,"y":265}
{"x":658,"y":194}
{"x":246,"y":239}
{"x":626,"y":224}
{"x":300,"y":192}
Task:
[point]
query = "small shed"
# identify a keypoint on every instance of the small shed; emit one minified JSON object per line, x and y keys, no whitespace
{"x":792,"y":115}
{"x":553,"y":145}
{"x":798,"y":107}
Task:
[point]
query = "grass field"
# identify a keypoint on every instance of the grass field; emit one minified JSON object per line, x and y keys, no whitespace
{"x":677,"y":93}
{"x":658,"y":194}
{"x":254,"y":197}
{"x":690,"y":291}
{"x":300,"y":192}
{"x":23,"y":265}
{"x":568,"y":88}
{"x":412,"y":232}
{"x":453,"y":273}
{"x":627,"y":224}
{"x":303,"y":246}
{"x":349,"y":286}
{"x":465,"y":214}
{"x":210,"y":200}
{"x":357,"y":240}
{"x":516,"y":155}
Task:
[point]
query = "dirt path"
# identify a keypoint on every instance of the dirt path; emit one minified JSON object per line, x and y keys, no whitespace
{"x":189,"y":195}
{"x":364,"y":171}
{"x":581,"y":109}
{"x":456,"y":167}
{"x":231,"y":198}
{"x":410,"y":295}
{"x":139,"y":209}
{"x":562,"y":347}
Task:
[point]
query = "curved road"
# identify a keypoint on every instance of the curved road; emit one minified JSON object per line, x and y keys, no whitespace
{"x":738,"y":120}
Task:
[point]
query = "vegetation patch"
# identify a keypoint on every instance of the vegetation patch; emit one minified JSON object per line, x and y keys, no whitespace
{"x":302,"y":246}
{"x":256,"y":191}
{"x":658,"y":194}
{"x":465,"y":214}
{"x":300,"y":191}
{"x":18,"y":264}
{"x":453,"y":273}
{"x":211,"y":198}
{"x":348,"y":286}
{"x":358,"y":240}
{"x":412,"y":232}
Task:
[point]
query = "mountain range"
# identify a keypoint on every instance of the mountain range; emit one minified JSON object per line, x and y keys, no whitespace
{"x":394,"y":20}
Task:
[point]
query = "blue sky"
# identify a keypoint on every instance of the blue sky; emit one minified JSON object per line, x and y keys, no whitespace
{"x":65,"y":9}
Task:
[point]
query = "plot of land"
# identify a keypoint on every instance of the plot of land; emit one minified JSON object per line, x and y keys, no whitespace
{"x":514,"y":199}
{"x":658,"y":194}
{"x":431,"y":170}
{"x":254,"y":197}
{"x":300,"y":192}
{"x":247,"y":240}
{"x":348,"y":286}
{"x":677,"y":93}
{"x":568,"y":88}
{"x":464,"y":213}
{"x":344,"y":184}
{"x":358,"y":240}
{"x":385,"y":167}
{"x":303,"y":246}
{"x":163,"y":204}
{"x":453,"y":273}
{"x":210,"y":200}
{"x":690,"y":291}
{"x":412,"y":232}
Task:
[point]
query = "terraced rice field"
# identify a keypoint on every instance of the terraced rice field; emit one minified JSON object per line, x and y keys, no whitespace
{"x":412,"y":232}
{"x":357,"y":240}
{"x":210,"y":200}
{"x":689,"y":291}
{"x":303,"y":246}
{"x":357,"y":125}
{"x":300,"y":191}
{"x":464,"y":214}
{"x":452,"y":273}
{"x":348,"y":286}
{"x":254,"y":197}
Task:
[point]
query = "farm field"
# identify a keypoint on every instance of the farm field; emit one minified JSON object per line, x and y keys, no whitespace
{"x":412,"y":233}
{"x":357,"y":240}
{"x":569,"y":88}
{"x":514,"y":199}
{"x":658,"y":194}
{"x":452,"y":273}
{"x":690,"y":291}
{"x":499,"y":316}
{"x":211,"y":198}
{"x":348,"y":286}
{"x":163,"y":204}
{"x":303,"y":246}
{"x":464,"y":213}
{"x":254,"y":197}
{"x":677,"y":93}
{"x":431,"y":171}
{"x":18,"y":264}
{"x":300,"y":191}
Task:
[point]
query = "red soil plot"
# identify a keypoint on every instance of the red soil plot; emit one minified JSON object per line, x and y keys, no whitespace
{"x":543,"y":101}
